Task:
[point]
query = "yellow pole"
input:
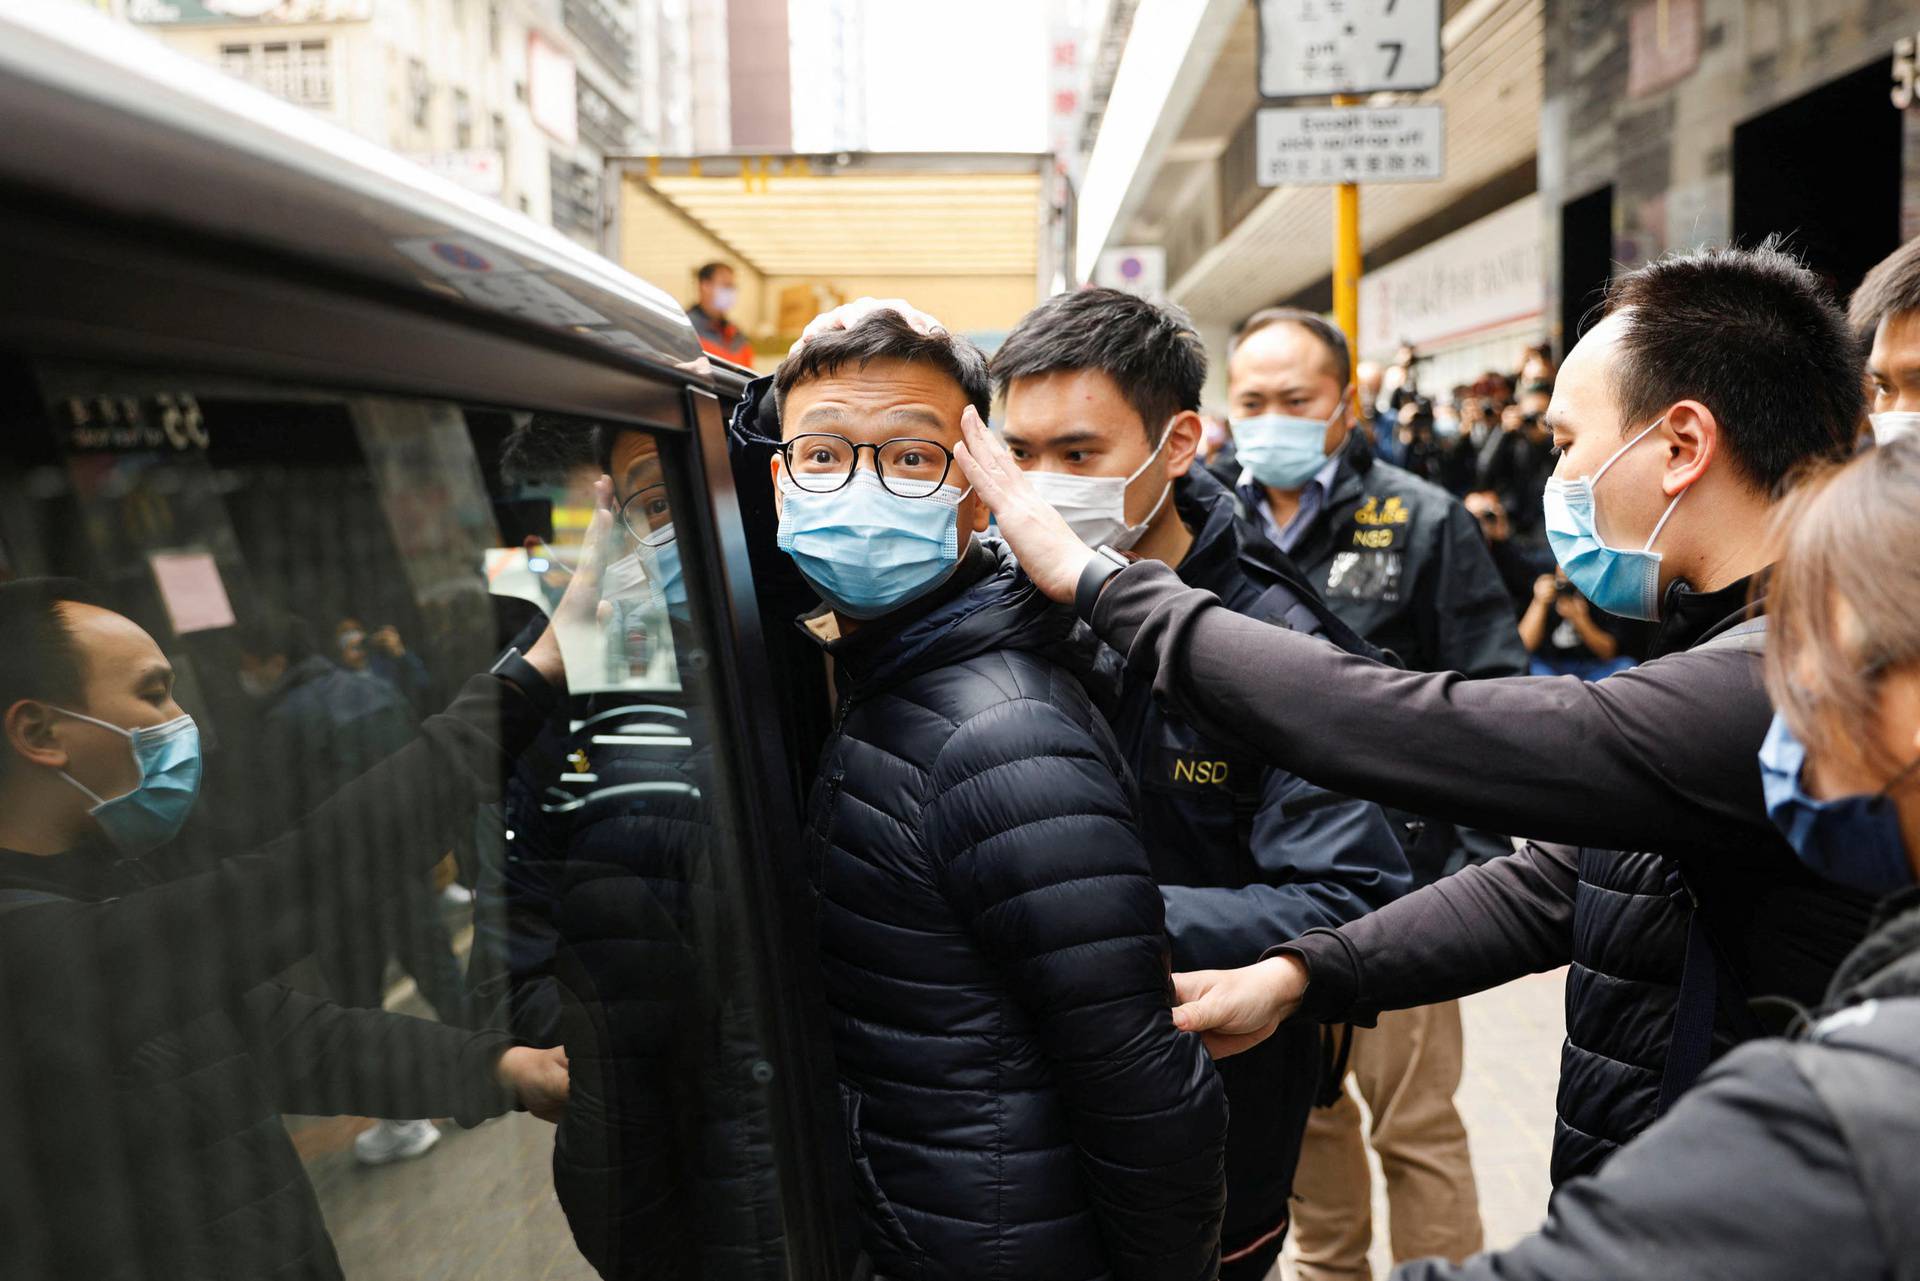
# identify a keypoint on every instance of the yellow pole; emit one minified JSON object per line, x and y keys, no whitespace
{"x":1346,"y":252}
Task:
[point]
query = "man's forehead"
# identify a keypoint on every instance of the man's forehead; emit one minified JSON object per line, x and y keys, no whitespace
{"x":1081,"y":404}
{"x":108,"y":639}
{"x":1282,"y":350}
{"x":896,"y":397}
{"x":1896,"y":343}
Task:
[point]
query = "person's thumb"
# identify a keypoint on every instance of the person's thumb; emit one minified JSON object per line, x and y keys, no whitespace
{"x":1198,"y":1014}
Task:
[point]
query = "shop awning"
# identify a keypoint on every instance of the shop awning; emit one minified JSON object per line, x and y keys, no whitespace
{"x":855,"y":216}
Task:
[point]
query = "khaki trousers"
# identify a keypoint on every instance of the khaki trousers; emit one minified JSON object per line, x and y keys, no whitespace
{"x":1407,"y":1070}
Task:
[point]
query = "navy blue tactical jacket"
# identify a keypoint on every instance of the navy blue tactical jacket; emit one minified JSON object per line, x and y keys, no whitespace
{"x":1246,"y":855}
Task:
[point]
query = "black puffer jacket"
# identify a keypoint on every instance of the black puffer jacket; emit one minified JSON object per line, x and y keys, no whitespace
{"x":1787,"y":1160}
{"x":1018,"y":1104}
{"x":1622,"y":919}
{"x":150,"y":1056}
{"x":663,"y":1162}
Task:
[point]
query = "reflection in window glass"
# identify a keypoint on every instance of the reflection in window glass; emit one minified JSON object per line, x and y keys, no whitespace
{"x":290,"y":887}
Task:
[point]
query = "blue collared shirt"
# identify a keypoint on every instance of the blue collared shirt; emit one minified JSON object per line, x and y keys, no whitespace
{"x":1312,"y":498}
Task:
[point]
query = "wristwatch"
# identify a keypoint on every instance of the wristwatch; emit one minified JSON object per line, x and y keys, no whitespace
{"x":1104,"y":564}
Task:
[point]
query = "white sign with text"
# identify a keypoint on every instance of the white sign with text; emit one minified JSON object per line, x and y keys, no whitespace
{"x":1312,"y":48}
{"x":1311,"y":146}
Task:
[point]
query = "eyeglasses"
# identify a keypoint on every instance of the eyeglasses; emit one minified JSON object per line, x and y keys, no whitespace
{"x":647,"y":517}
{"x":820,"y":463}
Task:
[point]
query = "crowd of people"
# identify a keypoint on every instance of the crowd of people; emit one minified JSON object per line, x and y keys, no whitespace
{"x":1180,"y":780}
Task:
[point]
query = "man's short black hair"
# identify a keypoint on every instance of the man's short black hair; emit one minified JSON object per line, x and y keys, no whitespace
{"x":1320,"y":327}
{"x":43,"y":661}
{"x":1150,"y":350}
{"x":886,"y":335}
{"x":1893,"y":286}
{"x":545,"y":450}
{"x":709,"y":270}
{"x":1752,"y":335}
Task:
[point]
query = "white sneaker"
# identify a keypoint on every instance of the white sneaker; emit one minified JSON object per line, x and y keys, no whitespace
{"x":395,"y":1141}
{"x":456,"y":895}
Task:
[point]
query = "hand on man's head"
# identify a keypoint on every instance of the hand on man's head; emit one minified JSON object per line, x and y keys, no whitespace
{"x":847,"y":315}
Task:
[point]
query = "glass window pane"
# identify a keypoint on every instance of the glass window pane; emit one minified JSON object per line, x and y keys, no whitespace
{"x":397,"y":878}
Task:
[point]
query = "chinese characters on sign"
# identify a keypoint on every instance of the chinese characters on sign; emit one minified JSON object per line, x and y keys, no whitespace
{"x":1305,"y":146}
{"x":1313,"y":48}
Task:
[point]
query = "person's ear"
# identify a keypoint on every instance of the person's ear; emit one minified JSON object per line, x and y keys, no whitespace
{"x":1692,"y":437}
{"x":1183,"y":443}
{"x":30,"y":733}
{"x":982,"y":514}
{"x":773,"y":469}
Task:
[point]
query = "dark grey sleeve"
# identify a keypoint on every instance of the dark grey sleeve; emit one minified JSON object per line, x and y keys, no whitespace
{"x":1660,"y":757}
{"x":1482,"y":926}
{"x":1747,"y":1179}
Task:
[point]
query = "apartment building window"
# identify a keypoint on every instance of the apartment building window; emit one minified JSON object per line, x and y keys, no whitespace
{"x":601,"y":123}
{"x":600,"y":29}
{"x":575,"y":195}
{"x":298,"y":71}
{"x":420,"y":90}
{"x":462,"y":119}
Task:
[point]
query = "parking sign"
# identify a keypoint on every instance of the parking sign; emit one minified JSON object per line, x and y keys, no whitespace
{"x":1315,"y":48}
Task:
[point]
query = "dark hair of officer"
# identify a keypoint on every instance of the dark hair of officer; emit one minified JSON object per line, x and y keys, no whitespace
{"x":1752,"y":335}
{"x":709,"y":270}
{"x":1149,"y":350}
{"x":1842,"y":599}
{"x":1328,"y":334}
{"x":886,"y":335}
{"x":43,"y":660}
{"x":546,"y":450}
{"x":1892,"y":287}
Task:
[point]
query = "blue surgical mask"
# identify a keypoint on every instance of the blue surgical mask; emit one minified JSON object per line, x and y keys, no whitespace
{"x":1621,"y":581}
{"x":658,"y":559}
{"x":866,"y":550}
{"x":1283,"y":451}
{"x":154,"y":811}
{"x":1850,"y":840}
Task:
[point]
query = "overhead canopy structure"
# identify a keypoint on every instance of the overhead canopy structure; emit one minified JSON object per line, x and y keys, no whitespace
{"x":922,"y":215}
{"x":1174,"y":163}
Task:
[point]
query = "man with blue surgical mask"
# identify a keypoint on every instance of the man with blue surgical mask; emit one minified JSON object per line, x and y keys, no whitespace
{"x":157,"y":1044}
{"x":1102,"y":390}
{"x":1404,"y":564}
{"x":1016,"y":1100}
{"x":1885,"y":311}
{"x":1712,"y":380}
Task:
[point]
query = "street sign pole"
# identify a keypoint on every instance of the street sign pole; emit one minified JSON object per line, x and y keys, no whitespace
{"x":1348,"y":49}
{"x":1346,"y":252}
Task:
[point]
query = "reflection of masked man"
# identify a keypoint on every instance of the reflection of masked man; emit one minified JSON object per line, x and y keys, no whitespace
{"x":623,"y":947}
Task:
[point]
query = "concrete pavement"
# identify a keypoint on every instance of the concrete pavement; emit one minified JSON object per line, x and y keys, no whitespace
{"x":480,"y":1206}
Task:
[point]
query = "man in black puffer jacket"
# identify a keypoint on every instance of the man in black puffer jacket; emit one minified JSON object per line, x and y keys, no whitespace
{"x":1017,"y":1102}
{"x":626,"y":944}
{"x":1101,"y":395}
{"x":151,"y":1048}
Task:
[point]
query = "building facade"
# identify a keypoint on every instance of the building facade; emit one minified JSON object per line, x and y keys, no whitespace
{"x":520,"y":100}
{"x":1672,"y":124}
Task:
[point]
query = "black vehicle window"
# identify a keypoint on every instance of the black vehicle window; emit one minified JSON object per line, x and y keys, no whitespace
{"x":271,"y":1021}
